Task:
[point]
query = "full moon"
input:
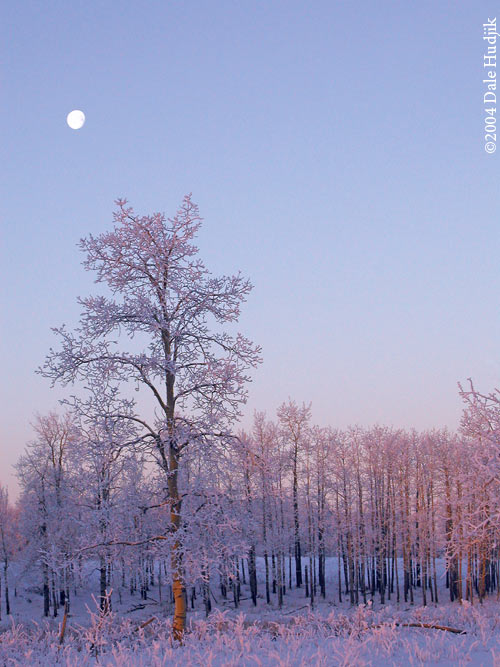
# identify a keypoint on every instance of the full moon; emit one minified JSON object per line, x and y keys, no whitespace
{"x":76,"y":119}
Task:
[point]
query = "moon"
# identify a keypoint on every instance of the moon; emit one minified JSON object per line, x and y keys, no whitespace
{"x":75,"y":119}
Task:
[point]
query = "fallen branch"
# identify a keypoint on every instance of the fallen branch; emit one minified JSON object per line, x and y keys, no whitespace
{"x":431,"y":626}
{"x":306,"y":606}
{"x":112,"y":543}
{"x":146,"y":623}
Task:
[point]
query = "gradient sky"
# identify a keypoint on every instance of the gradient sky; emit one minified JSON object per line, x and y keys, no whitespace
{"x":336,"y":152}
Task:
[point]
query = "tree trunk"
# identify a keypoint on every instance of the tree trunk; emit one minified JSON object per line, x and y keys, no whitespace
{"x":266,"y":562}
{"x":102,"y":584}
{"x":6,"y":594}
{"x":298,"y":554}
{"x":206,"y":593}
{"x":46,"y":589}
{"x":252,"y":575}
{"x":178,"y":587}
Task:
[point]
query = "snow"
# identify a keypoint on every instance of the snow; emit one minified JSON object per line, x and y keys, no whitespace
{"x":331,"y":634}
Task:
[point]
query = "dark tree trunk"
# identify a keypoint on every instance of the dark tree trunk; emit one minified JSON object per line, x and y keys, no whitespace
{"x":252,"y":575}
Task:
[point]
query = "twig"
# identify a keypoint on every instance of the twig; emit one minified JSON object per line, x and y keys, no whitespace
{"x":294,"y":610}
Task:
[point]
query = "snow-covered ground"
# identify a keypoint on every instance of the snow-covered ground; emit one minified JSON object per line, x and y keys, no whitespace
{"x":331,"y":634}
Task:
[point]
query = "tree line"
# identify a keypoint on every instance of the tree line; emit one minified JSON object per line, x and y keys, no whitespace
{"x":385,"y":503}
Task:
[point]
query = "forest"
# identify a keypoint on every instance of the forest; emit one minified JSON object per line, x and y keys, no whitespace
{"x":145,"y":491}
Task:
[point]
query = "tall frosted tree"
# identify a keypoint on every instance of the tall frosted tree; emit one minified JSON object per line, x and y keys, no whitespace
{"x":162,"y":327}
{"x":9,"y":540}
{"x":46,"y":500}
{"x":102,"y":450}
{"x":294,"y":423}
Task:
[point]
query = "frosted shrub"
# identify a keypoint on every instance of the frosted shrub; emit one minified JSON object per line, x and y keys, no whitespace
{"x":102,"y":628}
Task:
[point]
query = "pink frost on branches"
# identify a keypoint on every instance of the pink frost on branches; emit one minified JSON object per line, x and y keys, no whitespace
{"x":196,"y":372}
{"x":160,"y":289}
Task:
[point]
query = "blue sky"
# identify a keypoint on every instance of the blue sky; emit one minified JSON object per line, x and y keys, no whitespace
{"x":336,"y":152}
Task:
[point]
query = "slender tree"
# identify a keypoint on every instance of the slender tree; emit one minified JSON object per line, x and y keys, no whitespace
{"x":294,"y":422}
